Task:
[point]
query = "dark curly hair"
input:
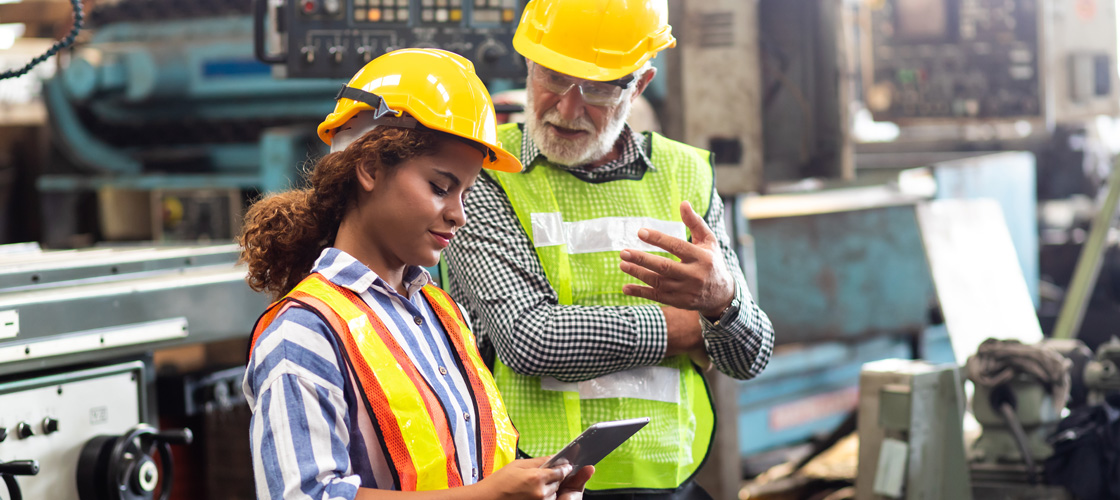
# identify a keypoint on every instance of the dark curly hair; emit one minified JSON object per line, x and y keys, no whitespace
{"x":285,"y":232}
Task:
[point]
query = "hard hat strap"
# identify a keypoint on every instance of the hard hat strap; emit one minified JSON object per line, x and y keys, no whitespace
{"x":375,"y":102}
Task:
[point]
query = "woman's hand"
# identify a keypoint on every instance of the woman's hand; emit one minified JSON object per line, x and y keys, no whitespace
{"x":572,"y":488}
{"x":525,"y":480}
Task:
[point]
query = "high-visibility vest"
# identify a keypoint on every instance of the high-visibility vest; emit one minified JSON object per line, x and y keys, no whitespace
{"x":407,"y":414}
{"x":578,"y":229}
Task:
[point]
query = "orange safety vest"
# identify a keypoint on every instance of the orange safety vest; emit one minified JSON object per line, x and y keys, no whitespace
{"x":410,"y":421}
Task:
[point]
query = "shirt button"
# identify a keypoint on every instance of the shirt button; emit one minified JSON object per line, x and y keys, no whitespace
{"x":442,"y":371}
{"x":467,"y":416}
{"x":474,"y":472}
{"x":418,"y":320}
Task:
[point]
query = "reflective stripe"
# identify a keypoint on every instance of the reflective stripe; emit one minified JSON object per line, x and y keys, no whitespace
{"x":599,"y":235}
{"x":655,"y":383}
{"x":407,"y":407}
{"x":497,"y":435}
{"x":411,"y":420}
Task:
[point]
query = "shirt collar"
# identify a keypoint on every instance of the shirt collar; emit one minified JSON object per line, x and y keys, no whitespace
{"x":634,"y":153}
{"x":344,"y":270}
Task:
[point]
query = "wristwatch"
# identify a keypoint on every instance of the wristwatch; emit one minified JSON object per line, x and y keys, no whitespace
{"x":728,"y":313}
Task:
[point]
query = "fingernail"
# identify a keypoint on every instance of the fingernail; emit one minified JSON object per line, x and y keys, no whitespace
{"x":643,"y":233}
{"x":567,"y":469}
{"x":625,"y":254}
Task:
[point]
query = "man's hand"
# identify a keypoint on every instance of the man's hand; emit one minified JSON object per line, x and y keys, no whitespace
{"x":685,"y":336}
{"x":699,"y":282}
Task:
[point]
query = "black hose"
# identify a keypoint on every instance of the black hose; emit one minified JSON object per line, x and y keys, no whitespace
{"x":59,"y":45}
{"x":13,"y":487}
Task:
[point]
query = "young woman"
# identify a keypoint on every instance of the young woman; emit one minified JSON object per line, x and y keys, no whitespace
{"x":364,"y":378}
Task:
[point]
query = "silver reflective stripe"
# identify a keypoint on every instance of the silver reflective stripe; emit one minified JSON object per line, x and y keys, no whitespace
{"x":656,"y":383}
{"x":599,"y":235}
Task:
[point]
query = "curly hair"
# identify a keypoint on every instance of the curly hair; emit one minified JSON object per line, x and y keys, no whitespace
{"x":285,"y":232}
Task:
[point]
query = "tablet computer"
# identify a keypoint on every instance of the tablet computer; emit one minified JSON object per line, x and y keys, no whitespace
{"x":596,"y":442}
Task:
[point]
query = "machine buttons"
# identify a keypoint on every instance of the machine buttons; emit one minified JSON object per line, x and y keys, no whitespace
{"x":336,"y":52}
{"x":24,"y":431}
{"x":50,"y":425}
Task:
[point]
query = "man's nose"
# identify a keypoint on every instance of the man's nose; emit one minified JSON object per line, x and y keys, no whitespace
{"x":571,"y":104}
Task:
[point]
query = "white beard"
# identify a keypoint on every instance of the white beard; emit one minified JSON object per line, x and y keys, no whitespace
{"x":585,"y":150}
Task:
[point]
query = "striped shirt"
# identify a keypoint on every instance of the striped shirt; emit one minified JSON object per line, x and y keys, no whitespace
{"x":311,"y":436}
{"x":495,"y":272}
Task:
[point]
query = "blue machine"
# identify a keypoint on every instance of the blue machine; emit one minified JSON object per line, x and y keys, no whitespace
{"x":181,"y":104}
{"x":844,"y":277}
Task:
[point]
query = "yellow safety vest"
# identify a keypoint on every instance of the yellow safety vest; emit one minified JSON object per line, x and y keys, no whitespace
{"x":408,"y":416}
{"x":578,"y":229}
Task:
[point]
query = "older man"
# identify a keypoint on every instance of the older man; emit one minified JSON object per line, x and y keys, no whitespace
{"x":592,"y":274}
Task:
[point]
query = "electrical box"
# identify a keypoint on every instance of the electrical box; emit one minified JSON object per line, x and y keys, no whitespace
{"x":335,"y":38}
{"x":929,"y":60}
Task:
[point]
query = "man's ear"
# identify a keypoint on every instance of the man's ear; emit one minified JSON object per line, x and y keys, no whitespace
{"x":643,"y":82}
{"x":366,"y":174}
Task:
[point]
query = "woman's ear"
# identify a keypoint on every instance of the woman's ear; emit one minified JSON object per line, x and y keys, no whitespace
{"x":366,"y":174}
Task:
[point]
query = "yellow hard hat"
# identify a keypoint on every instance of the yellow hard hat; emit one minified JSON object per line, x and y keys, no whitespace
{"x":437,"y":88}
{"x":599,"y":40}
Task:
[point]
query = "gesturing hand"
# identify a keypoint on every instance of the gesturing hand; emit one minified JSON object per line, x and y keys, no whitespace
{"x":699,"y":282}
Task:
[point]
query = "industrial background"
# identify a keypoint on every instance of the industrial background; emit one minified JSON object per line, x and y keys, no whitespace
{"x":904,"y":179}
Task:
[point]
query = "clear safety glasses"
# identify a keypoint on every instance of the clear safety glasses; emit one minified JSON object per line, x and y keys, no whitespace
{"x":594,"y":93}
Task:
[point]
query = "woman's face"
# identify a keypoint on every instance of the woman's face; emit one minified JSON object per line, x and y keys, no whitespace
{"x":410,"y":214}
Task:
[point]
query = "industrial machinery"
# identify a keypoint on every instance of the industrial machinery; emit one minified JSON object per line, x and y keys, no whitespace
{"x":78,"y":419}
{"x":989,"y":60}
{"x":334,"y":38}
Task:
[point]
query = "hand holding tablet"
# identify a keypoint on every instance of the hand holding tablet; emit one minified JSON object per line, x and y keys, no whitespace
{"x":595,"y":443}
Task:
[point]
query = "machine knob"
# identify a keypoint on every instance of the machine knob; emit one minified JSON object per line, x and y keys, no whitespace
{"x":366,"y":53}
{"x":336,"y":51}
{"x":20,"y":468}
{"x":3,"y":434}
{"x":50,"y":425}
{"x":24,"y":431}
{"x":308,"y":52}
{"x":491,"y":52}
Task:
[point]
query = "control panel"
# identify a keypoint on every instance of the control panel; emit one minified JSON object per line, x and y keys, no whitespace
{"x":50,"y":420}
{"x":953,"y":59}
{"x":335,"y":38}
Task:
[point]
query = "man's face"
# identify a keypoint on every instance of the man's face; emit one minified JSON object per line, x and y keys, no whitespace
{"x":565,"y":126}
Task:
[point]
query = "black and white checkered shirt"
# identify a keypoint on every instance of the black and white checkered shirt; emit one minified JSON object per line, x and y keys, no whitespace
{"x":496,"y":274}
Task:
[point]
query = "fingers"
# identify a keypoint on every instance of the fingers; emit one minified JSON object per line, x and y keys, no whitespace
{"x":701,"y":233}
{"x":676,"y":246}
{"x":578,"y":480}
{"x":650,"y":268}
{"x":644,"y":292}
{"x":529,"y":463}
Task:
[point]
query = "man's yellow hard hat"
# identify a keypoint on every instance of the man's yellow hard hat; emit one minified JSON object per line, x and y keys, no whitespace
{"x":437,"y":88}
{"x":599,"y":40}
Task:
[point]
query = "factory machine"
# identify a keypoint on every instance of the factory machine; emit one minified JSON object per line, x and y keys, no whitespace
{"x":845,"y":267}
{"x":167,"y":95}
{"x":78,"y":415}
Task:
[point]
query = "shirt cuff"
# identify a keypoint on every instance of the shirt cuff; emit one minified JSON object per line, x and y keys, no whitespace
{"x":652,"y":335}
{"x":731,"y":323}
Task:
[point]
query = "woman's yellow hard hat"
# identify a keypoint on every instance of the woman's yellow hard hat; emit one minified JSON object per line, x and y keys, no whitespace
{"x":600,"y":40}
{"x":437,"y":88}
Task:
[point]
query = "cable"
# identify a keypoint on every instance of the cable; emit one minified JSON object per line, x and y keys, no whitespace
{"x":59,"y":45}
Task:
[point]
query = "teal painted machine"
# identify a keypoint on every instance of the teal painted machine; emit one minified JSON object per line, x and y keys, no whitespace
{"x":844,"y":276}
{"x":180,"y":104}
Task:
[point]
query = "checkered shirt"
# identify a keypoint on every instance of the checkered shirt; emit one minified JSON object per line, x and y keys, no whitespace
{"x":496,"y":274}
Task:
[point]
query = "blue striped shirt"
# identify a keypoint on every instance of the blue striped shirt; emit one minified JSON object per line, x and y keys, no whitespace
{"x":311,"y":435}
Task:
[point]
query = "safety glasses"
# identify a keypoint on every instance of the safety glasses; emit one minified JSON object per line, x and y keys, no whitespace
{"x":594,"y":93}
